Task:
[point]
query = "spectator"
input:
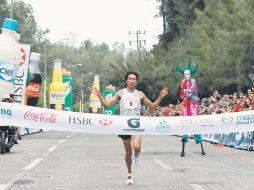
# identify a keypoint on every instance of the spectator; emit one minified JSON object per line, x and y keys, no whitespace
{"x":238,"y":106}
{"x":168,"y":110}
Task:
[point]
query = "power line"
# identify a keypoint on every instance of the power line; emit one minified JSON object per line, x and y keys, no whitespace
{"x":137,"y":40}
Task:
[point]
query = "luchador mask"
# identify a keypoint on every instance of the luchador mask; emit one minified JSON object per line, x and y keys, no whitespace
{"x":187,"y":74}
{"x":188,"y":71}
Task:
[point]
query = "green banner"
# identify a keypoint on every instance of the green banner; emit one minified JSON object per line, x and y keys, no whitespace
{"x":67,"y":80}
{"x":108,"y":94}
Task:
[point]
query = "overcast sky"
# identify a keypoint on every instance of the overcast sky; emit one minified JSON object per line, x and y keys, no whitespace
{"x":99,"y":20}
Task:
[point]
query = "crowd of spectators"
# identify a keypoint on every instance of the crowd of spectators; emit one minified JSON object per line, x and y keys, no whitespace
{"x":215,"y":104}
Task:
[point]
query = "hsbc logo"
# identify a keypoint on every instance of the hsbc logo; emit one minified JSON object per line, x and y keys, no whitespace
{"x":81,"y":120}
{"x":105,"y":122}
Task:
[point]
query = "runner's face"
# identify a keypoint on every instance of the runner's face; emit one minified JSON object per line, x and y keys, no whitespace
{"x":131,"y":81}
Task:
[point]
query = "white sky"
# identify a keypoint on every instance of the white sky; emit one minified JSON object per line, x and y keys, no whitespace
{"x":99,"y":20}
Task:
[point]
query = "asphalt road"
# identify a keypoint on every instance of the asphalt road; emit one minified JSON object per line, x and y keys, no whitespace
{"x":60,"y":161}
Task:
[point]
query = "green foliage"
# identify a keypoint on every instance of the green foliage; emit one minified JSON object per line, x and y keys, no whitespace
{"x":27,"y":25}
{"x":219,"y":38}
{"x":177,"y":16}
{"x":4,"y":11}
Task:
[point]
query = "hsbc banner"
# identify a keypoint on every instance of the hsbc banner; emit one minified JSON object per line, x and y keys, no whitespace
{"x":40,"y":118}
{"x":20,"y":81}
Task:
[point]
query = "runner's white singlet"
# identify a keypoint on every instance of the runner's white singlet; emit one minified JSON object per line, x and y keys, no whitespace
{"x":130,"y":103}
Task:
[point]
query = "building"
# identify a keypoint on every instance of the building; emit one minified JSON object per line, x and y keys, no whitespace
{"x":69,"y":39}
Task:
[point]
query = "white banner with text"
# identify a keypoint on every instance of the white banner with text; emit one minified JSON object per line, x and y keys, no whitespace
{"x":40,"y":118}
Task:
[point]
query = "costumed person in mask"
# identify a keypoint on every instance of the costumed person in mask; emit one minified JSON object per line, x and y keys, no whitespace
{"x":189,"y":97}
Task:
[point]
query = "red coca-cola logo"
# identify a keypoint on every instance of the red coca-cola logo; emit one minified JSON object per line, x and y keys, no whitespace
{"x":41,"y":117}
{"x":33,"y":89}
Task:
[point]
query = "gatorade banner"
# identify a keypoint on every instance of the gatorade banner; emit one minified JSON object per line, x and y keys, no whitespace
{"x":20,"y":81}
{"x":108,"y":94}
{"x":40,"y":118}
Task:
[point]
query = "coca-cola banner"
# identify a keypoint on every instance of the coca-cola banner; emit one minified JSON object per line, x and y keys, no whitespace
{"x":39,"y":118}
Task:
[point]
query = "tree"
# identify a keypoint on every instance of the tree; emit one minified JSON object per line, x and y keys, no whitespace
{"x":27,"y":24}
{"x":4,"y":11}
{"x":220,"y":39}
{"x":177,"y":16}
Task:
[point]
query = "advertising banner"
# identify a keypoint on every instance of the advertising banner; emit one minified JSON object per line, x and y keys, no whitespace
{"x":40,"y":118}
{"x":108,"y":94}
{"x":67,"y":81}
{"x":20,"y":81}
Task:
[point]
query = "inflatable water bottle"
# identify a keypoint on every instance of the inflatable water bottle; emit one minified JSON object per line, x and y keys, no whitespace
{"x":57,"y":88}
{"x":9,"y":56}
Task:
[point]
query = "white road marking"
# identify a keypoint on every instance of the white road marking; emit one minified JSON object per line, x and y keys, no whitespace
{"x":72,"y":134}
{"x":197,"y":187}
{"x":33,"y":164}
{"x":162,"y":164}
{"x":61,"y":141}
{"x":52,"y":148}
{"x":68,"y":137}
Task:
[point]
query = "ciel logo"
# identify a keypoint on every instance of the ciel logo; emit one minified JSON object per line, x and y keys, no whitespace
{"x":227,"y":119}
{"x":134,"y":122}
{"x":7,"y":71}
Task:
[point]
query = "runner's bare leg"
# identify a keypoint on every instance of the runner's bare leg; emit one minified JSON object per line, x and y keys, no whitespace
{"x":128,"y":154}
{"x":136,"y":143}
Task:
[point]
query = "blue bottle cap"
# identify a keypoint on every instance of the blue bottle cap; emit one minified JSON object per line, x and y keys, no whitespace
{"x":10,"y":24}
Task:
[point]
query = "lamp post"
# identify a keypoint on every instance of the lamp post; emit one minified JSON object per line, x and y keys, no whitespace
{"x":103,"y":92}
{"x":45,"y":75}
{"x":82,"y":93}
{"x":79,"y":64}
{"x":11,"y":8}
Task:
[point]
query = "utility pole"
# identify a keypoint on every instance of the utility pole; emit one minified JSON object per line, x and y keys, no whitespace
{"x":137,"y":41}
{"x":45,"y":75}
{"x":11,"y":8}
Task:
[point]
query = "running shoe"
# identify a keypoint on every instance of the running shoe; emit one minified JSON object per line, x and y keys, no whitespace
{"x":129,"y":181}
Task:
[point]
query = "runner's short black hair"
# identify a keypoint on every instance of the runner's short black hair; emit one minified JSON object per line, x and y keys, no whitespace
{"x":130,"y":73}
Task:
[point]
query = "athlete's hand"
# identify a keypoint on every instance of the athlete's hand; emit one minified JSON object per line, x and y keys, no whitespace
{"x":94,"y":90}
{"x":164,"y":92}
